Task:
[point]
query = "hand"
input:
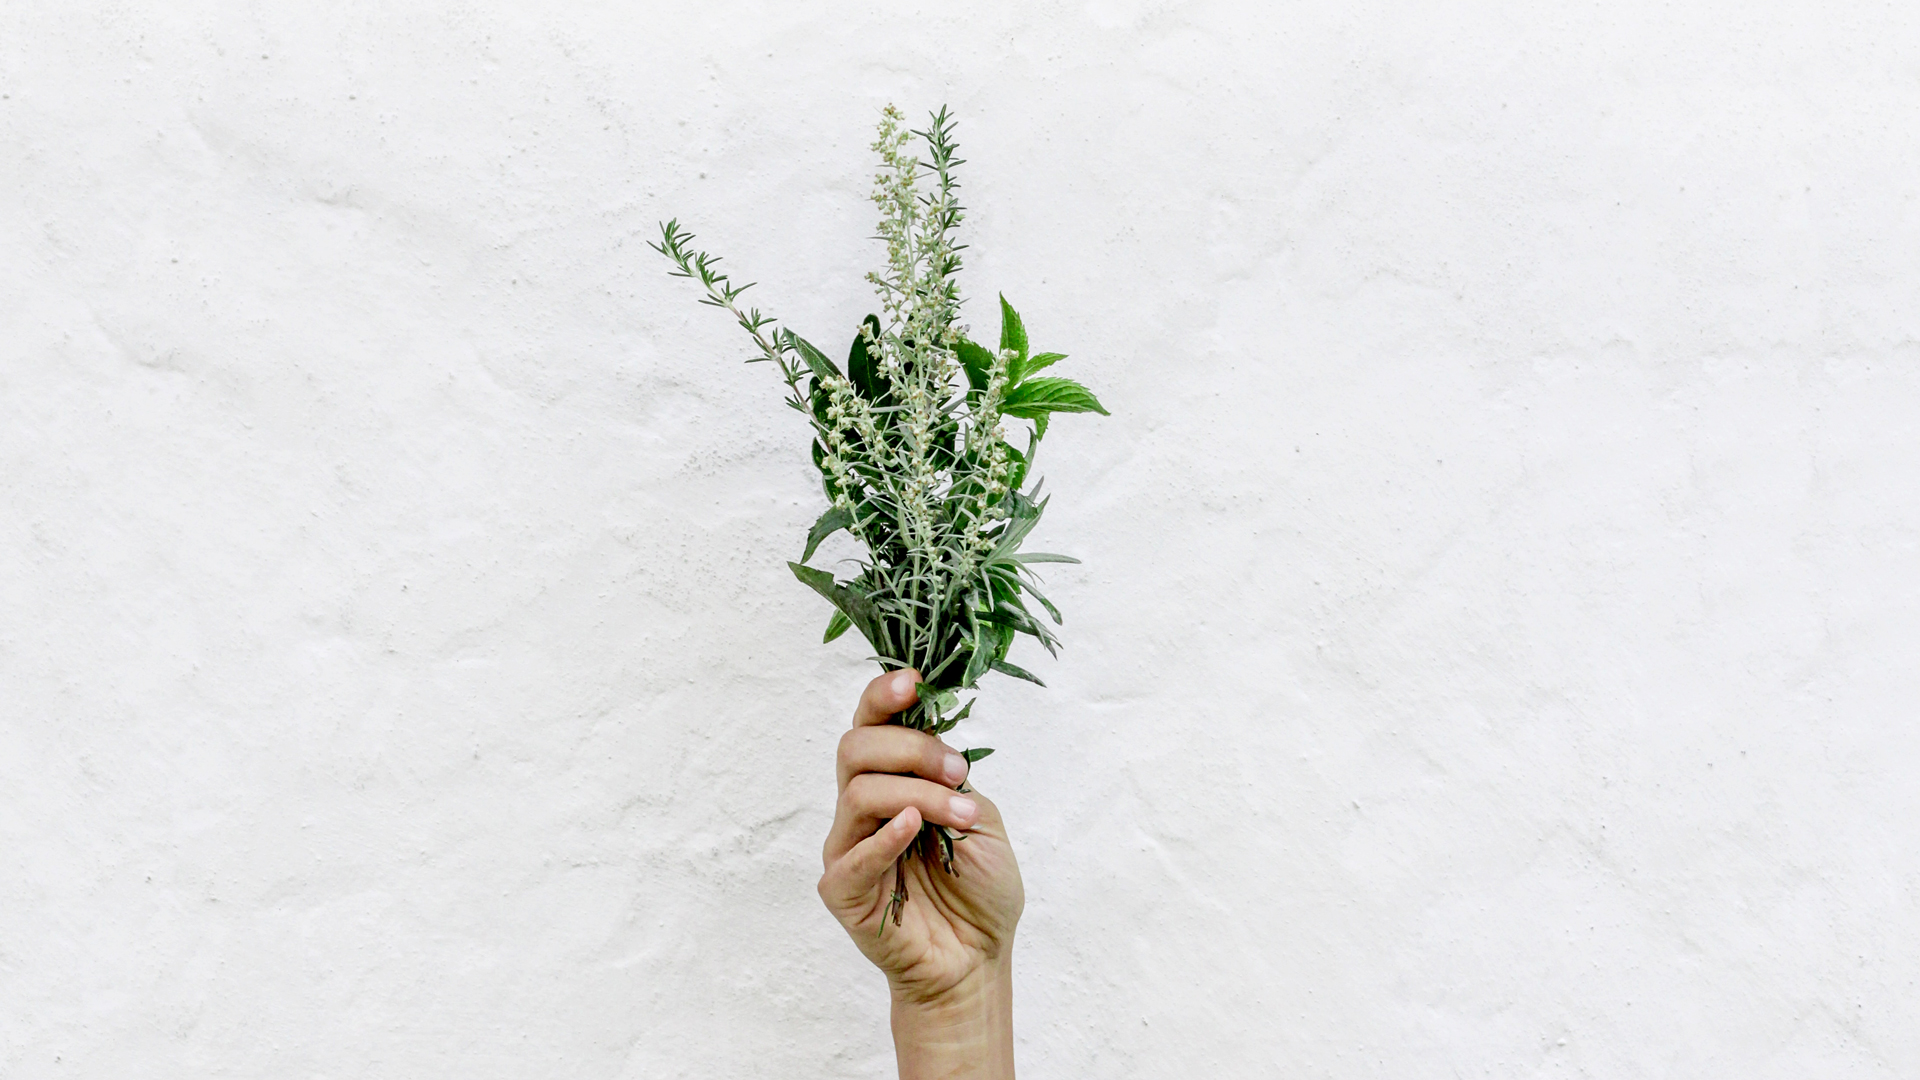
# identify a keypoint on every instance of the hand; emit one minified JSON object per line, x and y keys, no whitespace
{"x":949,"y":961}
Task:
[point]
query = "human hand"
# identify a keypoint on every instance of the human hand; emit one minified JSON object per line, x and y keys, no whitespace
{"x":949,"y":960}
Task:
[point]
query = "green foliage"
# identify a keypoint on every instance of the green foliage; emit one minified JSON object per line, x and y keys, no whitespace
{"x":835,"y":519}
{"x":1037,"y":397}
{"x":911,"y":446}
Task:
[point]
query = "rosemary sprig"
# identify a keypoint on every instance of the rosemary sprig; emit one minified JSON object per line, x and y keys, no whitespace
{"x":910,"y":441}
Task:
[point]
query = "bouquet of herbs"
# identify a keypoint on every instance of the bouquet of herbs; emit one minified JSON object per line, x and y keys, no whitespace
{"x":910,"y":438}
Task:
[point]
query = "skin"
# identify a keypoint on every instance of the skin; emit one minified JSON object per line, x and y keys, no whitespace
{"x":949,"y":964}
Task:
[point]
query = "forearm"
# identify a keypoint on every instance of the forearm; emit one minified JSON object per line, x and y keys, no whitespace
{"x":964,"y":1034}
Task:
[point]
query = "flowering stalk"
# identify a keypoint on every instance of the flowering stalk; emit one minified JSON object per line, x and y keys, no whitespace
{"x":910,"y":441}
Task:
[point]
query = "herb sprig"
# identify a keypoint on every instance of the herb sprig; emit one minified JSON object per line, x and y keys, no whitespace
{"x":911,"y":444}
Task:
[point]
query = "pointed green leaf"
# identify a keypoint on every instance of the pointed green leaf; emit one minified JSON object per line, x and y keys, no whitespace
{"x":1034,"y":591}
{"x":977,"y":361}
{"x":1041,"y":556}
{"x":1049,"y":393}
{"x":1013,"y":334}
{"x":858,"y":609}
{"x":1026,"y":514}
{"x":836,"y":626}
{"x":1003,"y":640}
{"x":822,"y":367}
{"x":1044,"y":360}
{"x":1005,"y":668}
{"x":1039,"y":427}
{"x":981,"y":656}
{"x":862,"y":364}
{"x":835,"y":519}
{"x":1017,"y":471}
{"x":976,"y":753}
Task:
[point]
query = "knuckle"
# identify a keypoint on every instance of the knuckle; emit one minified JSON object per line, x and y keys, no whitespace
{"x":858,"y":793}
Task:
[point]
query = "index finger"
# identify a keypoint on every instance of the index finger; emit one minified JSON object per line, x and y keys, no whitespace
{"x":885,"y":696}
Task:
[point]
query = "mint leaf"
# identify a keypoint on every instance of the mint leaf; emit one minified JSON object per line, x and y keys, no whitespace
{"x":1049,"y":394}
{"x":977,"y":360}
{"x":1013,"y":334}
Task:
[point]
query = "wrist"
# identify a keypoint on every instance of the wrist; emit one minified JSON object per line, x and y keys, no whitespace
{"x":964,"y":1032}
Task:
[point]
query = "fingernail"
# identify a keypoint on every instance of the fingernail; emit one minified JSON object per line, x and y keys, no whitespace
{"x":963,"y":809}
{"x":902,"y":682}
{"x":955,"y":767}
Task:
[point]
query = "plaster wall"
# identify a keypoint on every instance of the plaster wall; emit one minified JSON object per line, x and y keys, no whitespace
{"x":1494,"y":653}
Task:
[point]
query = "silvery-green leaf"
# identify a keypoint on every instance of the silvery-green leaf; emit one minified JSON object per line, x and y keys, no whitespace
{"x":1034,"y":591}
{"x":1005,"y":668}
{"x":981,"y":656}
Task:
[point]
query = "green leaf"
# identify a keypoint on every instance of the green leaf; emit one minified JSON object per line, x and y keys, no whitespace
{"x":836,"y":626}
{"x":1013,"y":334}
{"x":827,"y":483}
{"x":1035,"y":592}
{"x":822,"y":367}
{"x":817,"y":399}
{"x":1041,"y":556}
{"x":1044,"y":360}
{"x":1017,"y":472}
{"x":1005,"y":668}
{"x":1003,"y":640}
{"x":1026,"y":514}
{"x":1039,"y":427}
{"x":1049,"y":393}
{"x":976,"y":360}
{"x":981,"y":656}
{"x":862,"y":367}
{"x":835,"y":519}
{"x":976,"y":753}
{"x":858,"y":609}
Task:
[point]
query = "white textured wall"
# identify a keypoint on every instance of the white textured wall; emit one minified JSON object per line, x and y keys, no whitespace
{"x":1495,"y":651}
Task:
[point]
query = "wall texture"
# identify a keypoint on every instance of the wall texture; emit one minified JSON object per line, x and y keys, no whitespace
{"x":1495,"y":649}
